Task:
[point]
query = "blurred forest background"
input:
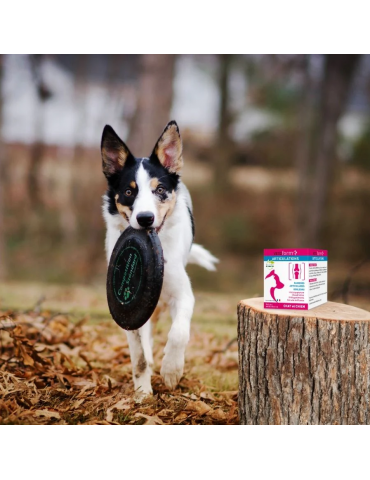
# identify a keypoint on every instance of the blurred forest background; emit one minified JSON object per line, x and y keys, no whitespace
{"x":276,"y":149}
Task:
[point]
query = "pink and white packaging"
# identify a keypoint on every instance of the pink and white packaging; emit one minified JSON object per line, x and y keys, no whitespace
{"x":295,"y":279}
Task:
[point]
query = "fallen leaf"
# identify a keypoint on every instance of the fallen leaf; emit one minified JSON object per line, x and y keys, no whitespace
{"x":27,"y":360}
{"x":7,"y":324}
{"x":78,"y":403}
{"x":207,"y":396}
{"x":47,"y":413}
{"x":190,"y":395}
{"x":218,"y":414}
{"x":124,"y":404}
{"x":166,"y":412}
{"x":150,"y":420}
{"x":181,"y":417}
{"x":81,"y":382}
{"x":198,"y":407}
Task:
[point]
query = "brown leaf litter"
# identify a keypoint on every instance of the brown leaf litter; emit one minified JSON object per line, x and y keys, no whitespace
{"x":56,"y":371}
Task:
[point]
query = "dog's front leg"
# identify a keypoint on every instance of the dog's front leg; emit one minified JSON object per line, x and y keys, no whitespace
{"x":181,"y":302}
{"x":141,"y":360}
{"x":139,"y":340}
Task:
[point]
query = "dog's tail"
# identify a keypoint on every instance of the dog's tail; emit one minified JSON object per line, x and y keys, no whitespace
{"x":201,"y":256}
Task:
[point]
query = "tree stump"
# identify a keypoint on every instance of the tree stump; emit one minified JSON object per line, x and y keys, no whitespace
{"x":303,"y":367}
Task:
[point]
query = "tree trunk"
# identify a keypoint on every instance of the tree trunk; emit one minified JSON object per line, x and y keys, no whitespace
{"x":38,"y":147}
{"x":305,"y":123}
{"x":339,"y":71}
{"x":223,"y":144}
{"x":308,"y":367}
{"x":68,"y":214}
{"x":154,"y":102}
{"x":2,"y":160}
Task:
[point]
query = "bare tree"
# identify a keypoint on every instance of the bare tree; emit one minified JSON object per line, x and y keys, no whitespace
{"x":2,"y":229}
{"x":68,"y":217}
{"x":338,"y":74}
{"x":223,"y":146}
{"x":37,"y":150}
{"x":305,"y":126}
{"x":154,"y":101}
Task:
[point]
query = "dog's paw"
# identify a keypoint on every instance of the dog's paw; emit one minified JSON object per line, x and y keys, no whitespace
{"x":143,"y":386}
{"x":172,"y":371}
{"x":141,"y":395}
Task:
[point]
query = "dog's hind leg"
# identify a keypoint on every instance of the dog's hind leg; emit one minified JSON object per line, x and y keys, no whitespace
{"x":181,"y":302}
{"x":141,"y":359}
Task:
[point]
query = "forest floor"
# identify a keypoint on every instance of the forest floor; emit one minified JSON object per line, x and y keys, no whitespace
{"x":64,"y":361}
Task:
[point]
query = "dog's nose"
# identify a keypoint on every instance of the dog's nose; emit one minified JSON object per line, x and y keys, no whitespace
{"x":145,"y":219}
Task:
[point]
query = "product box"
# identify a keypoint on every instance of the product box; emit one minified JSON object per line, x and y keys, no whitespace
{"x":295,"y":279}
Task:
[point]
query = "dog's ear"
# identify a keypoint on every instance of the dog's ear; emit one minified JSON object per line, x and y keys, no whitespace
{"x":113,"y":151}
{"x":168,"y":149}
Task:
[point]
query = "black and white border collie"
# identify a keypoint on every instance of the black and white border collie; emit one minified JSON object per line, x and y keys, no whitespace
{"x":148,"y":192}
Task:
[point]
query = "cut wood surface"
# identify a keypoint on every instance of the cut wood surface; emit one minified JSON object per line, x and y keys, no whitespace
{"x":303,"y":367}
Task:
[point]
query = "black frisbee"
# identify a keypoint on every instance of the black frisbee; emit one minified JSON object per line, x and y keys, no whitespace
{"x":135,"y":277}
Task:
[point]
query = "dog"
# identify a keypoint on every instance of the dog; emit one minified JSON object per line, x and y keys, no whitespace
{"x":148,"y":192}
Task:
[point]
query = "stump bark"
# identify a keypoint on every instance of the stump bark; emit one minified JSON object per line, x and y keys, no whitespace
{"x":303,"y":367}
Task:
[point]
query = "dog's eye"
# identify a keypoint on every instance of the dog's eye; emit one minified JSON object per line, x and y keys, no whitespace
{"x":128,"y":192}
{"x":160,"y":190}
